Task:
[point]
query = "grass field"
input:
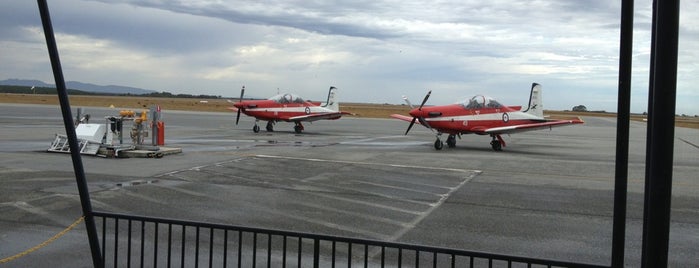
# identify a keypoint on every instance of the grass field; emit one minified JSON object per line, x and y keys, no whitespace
{"x":222,"y":105}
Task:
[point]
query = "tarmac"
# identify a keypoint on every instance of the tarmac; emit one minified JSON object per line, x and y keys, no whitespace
{"x":548,"y":194}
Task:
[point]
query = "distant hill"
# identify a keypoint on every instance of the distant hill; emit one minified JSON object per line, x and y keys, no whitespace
{"x":111,"y":89}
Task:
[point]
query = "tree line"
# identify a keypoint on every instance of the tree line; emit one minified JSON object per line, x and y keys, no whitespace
{"x":52,"y":91}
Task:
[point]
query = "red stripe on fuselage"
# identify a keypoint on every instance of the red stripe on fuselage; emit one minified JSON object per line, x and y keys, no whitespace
{"x":270,"y":110}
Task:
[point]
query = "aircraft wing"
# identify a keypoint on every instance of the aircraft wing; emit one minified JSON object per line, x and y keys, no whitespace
{"x":532,"y":126}
{"x":316,"y":117}
{"x":404,"y":118}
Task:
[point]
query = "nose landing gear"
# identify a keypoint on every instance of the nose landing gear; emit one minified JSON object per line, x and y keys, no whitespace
{"x":451,"y":142}
{"x":256,"y":128}
{"x":438,"y":144}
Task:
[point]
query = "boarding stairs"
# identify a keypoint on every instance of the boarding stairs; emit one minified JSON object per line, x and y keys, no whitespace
{"x":60,"y":145}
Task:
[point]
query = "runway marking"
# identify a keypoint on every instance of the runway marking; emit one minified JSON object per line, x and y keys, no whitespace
{"x":367,"y":203}
{"x":420,"y":210}
{"x":365,"y":163}
{"x":391,"y":197}
{"x":304,"y":218}
{"x":176,"y":189}
{"x":145,"y":197}
{"x":396,"y":187}
{"x":31,"y":209}
{"x":421,"y":184}
{"x":351,"y":213}
{"x":422,"y":216}
{"x":688,"y":142}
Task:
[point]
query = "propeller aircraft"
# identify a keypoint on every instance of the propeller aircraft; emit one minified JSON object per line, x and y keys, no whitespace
{"x":481,"y":115}
{"x":289,"y":108}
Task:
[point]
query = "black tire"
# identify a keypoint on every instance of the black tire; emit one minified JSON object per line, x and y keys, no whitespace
{"x":256,"y":129}
{"x":497,"y":146}
{"x":451,"y":141}
{"x":438,"y":144}
{"x":298,"y":129}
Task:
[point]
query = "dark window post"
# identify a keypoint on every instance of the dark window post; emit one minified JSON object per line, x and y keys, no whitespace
{"x":656,"y":219}
{"x":70,"y":133}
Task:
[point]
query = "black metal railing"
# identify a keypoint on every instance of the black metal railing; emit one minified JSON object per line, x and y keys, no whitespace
{"x":135,"y":241}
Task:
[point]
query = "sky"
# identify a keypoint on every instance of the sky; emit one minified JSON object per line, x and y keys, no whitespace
{"x":373,"y":51}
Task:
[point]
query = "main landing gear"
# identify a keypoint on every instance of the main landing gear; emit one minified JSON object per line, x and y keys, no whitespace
{"x":269,"y":127}
{"x":298,"y":128}
{"x":451,"y":141}
{"x":497,"y":143}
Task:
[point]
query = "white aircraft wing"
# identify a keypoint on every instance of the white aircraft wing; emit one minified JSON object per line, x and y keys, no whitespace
{"x":316,"y":117}
{"x":532,"y":126}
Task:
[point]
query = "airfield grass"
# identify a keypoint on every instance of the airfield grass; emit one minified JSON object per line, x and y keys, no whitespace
{"x":363,"y":110}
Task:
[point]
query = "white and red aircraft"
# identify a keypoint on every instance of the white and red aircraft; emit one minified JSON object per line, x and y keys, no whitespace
{"x":483,"y":116}
{"x":288,"y":107}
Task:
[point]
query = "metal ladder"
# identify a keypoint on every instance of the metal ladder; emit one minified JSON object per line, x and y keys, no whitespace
{"x":60,"y":145}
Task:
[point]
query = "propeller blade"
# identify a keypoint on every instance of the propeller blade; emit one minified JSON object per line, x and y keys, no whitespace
{"x":408,"y":102}
{"x":424,"y":122}
{"x":411,"y":125}
{"x":242,"y":92}
{"x":425,"y":99}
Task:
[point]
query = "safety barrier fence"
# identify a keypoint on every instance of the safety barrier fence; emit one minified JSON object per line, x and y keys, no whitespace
{"x":135,"y":241}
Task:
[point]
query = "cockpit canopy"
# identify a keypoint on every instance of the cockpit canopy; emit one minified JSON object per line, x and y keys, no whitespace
{"x":287,"y":98}
{"x":480,"y":102}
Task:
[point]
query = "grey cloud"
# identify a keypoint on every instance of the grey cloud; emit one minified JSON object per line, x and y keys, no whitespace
{"x":312,"y":17}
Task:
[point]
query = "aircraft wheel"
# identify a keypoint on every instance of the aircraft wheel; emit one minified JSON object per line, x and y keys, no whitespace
{"x":451,"y":141}
{"x":496,"y":145}
{"x":270,"y":127}
{"x":256,"y":129}
{"x":298,"y":129}
{"x":438,"y":144}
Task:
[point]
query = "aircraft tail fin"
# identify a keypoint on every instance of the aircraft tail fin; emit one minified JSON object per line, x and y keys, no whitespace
{"x":536,"y":107}
{"x":332,"y":102}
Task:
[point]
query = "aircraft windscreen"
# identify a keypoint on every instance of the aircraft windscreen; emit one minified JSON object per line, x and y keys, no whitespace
{"x":480,"y":102}
{"x":287,"y":98}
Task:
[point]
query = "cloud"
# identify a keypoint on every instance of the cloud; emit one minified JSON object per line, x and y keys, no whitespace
{"x":374,"y":51}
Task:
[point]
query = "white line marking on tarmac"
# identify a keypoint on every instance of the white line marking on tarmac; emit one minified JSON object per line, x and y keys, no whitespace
{"x":365,"y":163}
{"x":423,"y":215}
{"x":395,"y":187}
{"x":366,"y":203}
{"x":390,"y":197}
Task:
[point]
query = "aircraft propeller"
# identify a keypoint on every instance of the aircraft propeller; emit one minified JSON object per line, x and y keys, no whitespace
{"x":422,"y":120}
{"x":242,"y":91}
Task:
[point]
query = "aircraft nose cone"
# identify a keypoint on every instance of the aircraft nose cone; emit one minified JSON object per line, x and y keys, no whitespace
{"x":415,"y":113}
